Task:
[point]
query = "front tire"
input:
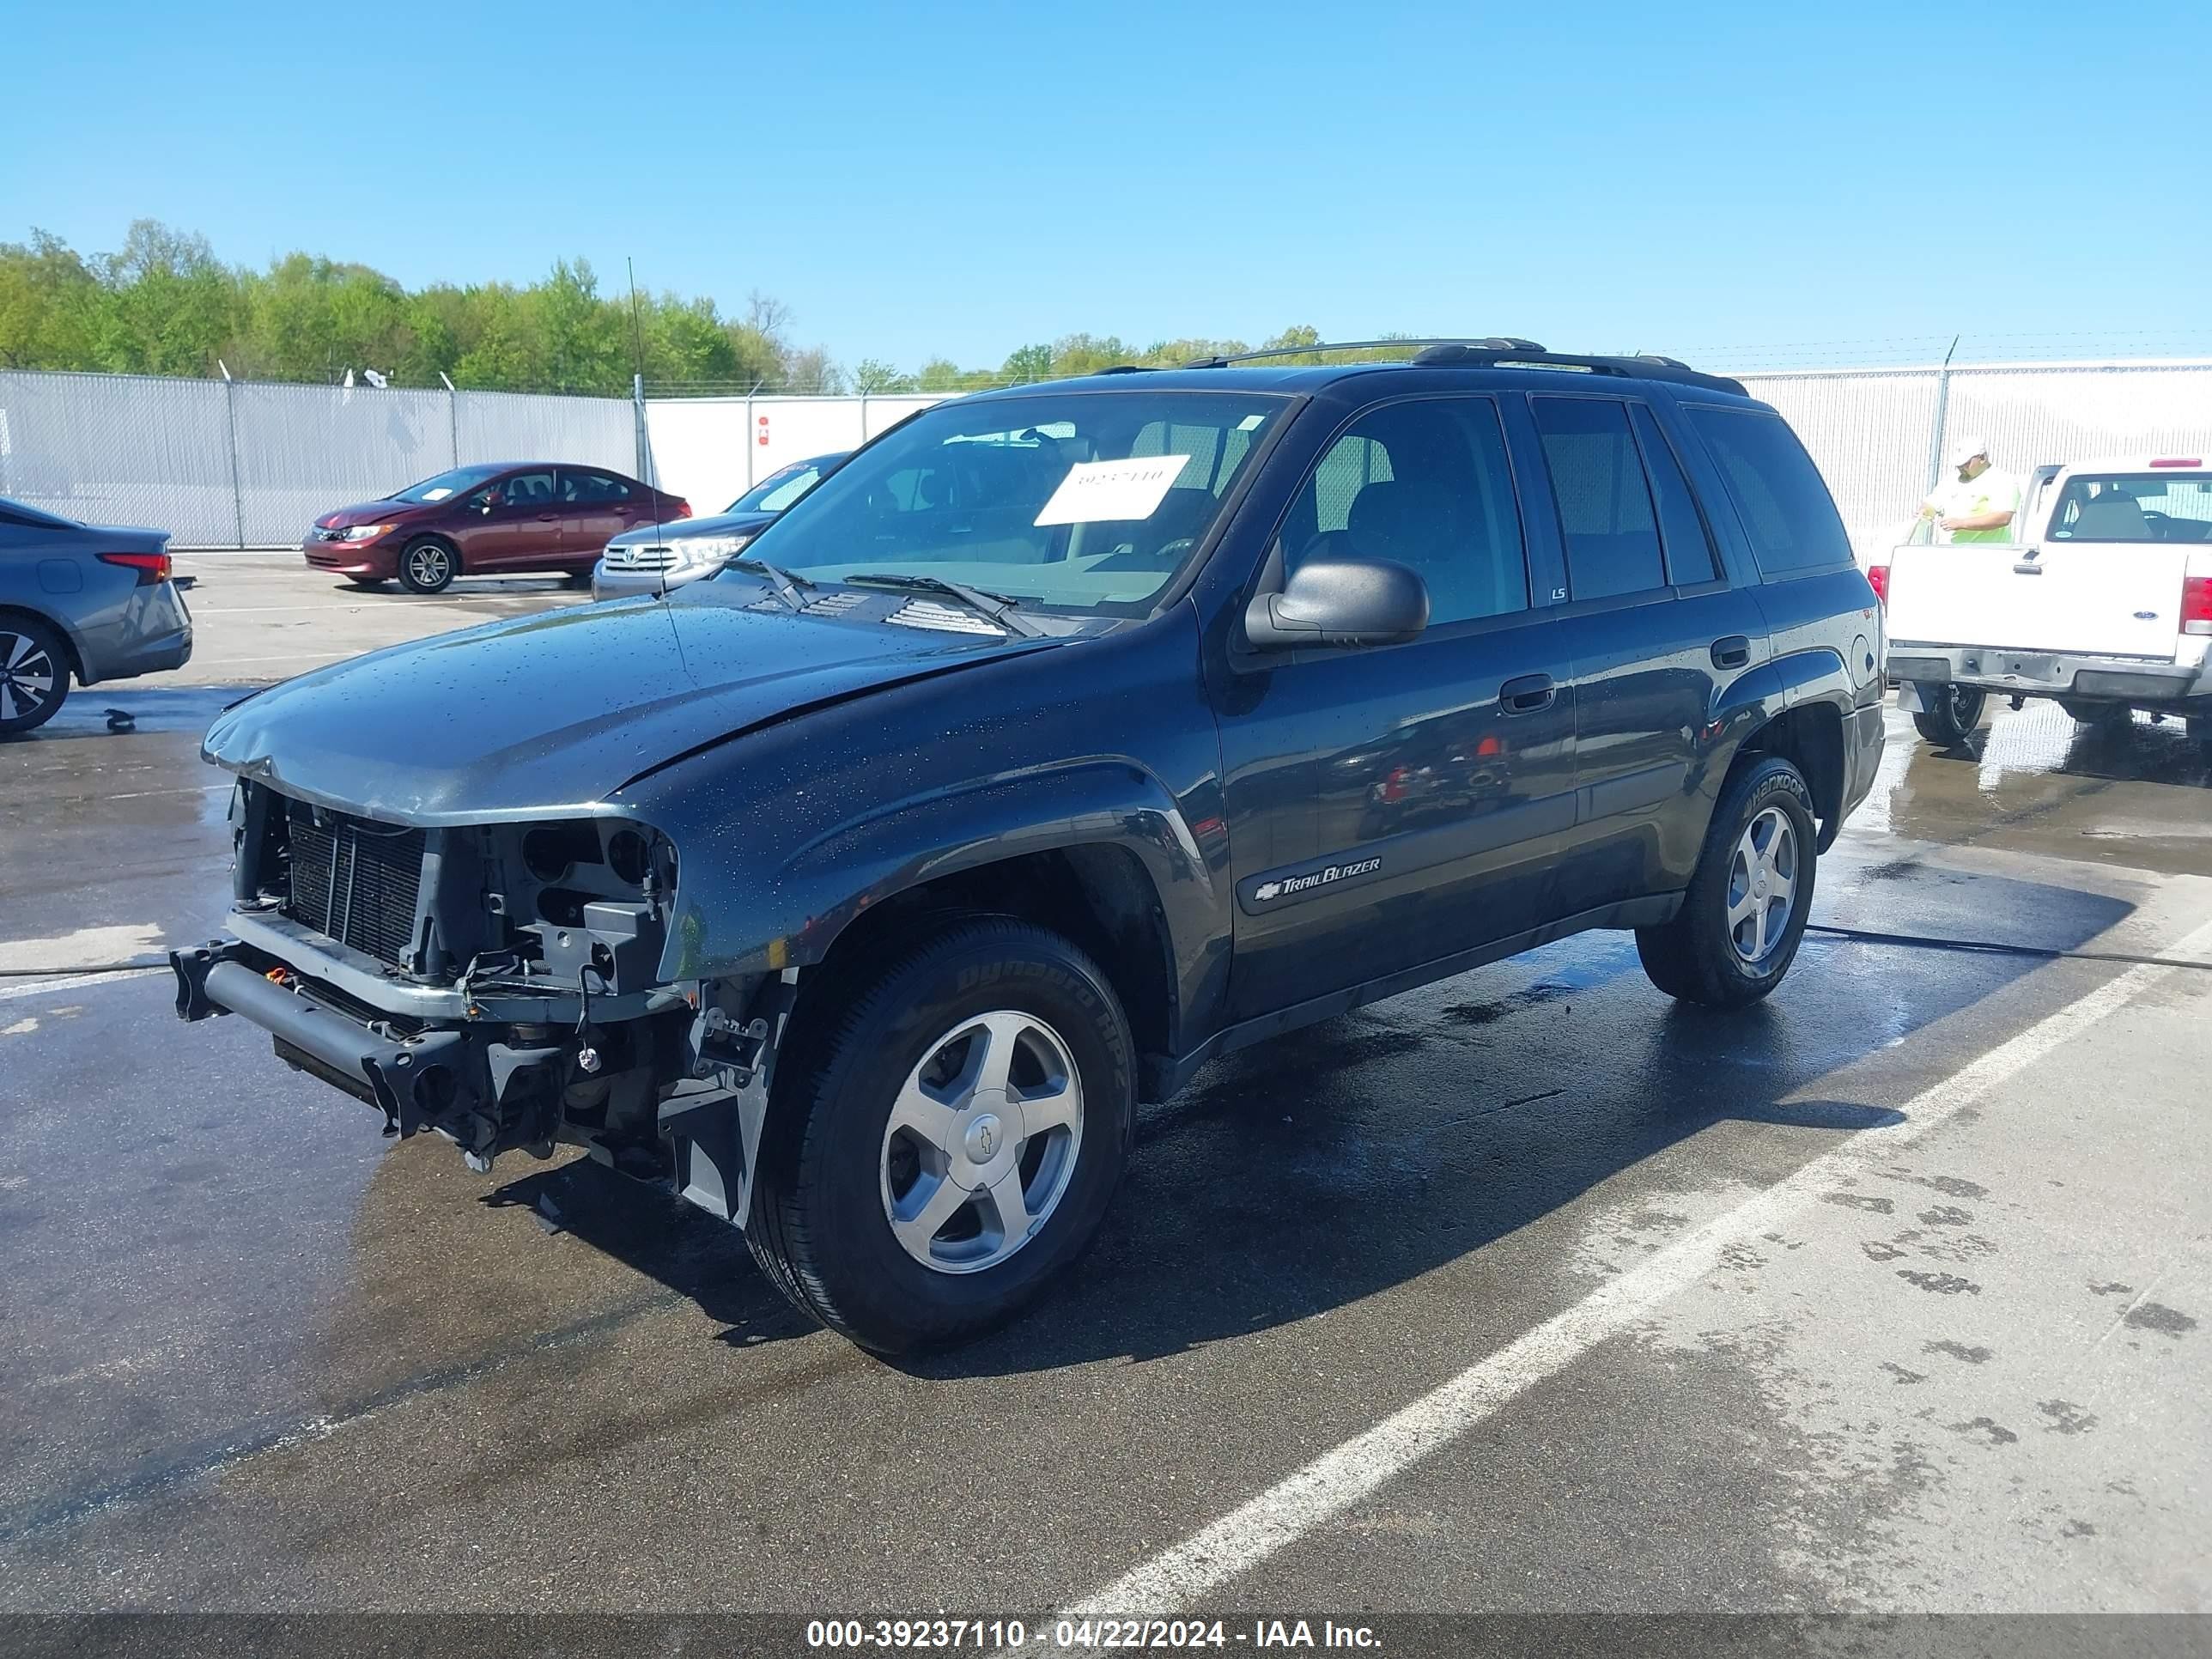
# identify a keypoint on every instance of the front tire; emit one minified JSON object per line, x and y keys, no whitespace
{"x":428,"y":565}
{"x":1744,"y":914}
{"x":35,"y":674}
{"x":1953,"y":712}
{"x":948,"y":1139}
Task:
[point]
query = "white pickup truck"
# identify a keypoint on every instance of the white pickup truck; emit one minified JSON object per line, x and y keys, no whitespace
{"x":2103,"y":603}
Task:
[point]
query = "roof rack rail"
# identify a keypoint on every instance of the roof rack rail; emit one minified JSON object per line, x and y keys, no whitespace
{"x":1648,"y":366}
{"x":1496,"y":341}
{"x":1503,"y":351}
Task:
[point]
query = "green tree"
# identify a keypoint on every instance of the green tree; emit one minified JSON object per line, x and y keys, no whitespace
{"x":1026,"y":363}
{"x":49,"y":301}
{"x":870,"y":375}
{"x":1086,"y":354}
{"x":164,"y":304}
{"x":1299,"y":334}
{"x":169,"y":307}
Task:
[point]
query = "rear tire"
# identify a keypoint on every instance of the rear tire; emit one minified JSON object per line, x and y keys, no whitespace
{"x":1744,"y":914}
{"x":35,"y":674}
{"x":1953,"y":712}
{"x":2200,"y":731}
{"x":949,"y":1140}
{"x":428,"y":565}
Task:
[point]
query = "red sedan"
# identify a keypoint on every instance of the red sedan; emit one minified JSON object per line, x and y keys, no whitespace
{"x":498,"y":517}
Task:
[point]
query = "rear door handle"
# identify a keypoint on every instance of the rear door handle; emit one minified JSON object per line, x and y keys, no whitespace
{"x":1734,"y":652}
{"x":549,"y":518}
{"x":1527,"y":695}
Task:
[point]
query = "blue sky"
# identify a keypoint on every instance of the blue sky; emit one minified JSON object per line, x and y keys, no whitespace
{"x":1715,"y":180}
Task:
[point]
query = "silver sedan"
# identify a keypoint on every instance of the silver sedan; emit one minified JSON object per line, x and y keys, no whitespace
{"x":85,"y":601}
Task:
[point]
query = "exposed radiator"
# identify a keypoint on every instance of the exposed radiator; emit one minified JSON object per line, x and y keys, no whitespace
{"x":355,"y":881}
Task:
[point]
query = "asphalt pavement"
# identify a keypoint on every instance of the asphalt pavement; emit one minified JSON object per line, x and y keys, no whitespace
{"x":1525,"y":1292}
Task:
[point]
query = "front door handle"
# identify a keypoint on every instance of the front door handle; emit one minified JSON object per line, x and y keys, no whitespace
{"x":1734,"y":652}
{"x":1527,"y":695}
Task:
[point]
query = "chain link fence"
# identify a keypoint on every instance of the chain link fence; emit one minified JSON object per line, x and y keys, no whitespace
{"x":220,"y":463}
{"x":1879,"y":435}
{"x":240,"y":464}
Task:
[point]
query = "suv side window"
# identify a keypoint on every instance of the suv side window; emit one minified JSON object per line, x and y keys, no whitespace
{"x":1605,"y":517}
{"x":1787,"y":513}
{"x":1689,"y":556}
{"x":1425,"y":484}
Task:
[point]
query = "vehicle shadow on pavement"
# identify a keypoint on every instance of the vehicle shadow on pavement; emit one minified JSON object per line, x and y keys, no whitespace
{"x":1355,"y":1156}
{"x":2050,"y":742}
{"x":657,"y":1235}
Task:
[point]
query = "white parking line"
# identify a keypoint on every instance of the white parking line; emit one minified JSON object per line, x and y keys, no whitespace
{"x":1173,"y":1580}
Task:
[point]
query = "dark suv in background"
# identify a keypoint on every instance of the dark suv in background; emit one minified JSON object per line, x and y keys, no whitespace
{"x":1061,"y":739}
{"x":503,"y":517}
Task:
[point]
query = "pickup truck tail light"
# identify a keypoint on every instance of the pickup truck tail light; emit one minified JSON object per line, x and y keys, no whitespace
{"x":1878,"y":579}
{"x":153,"y":568}
{"x":2197,"y":604}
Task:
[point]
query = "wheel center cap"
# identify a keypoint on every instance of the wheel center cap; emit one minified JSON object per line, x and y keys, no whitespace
{"x":986,"y":1135}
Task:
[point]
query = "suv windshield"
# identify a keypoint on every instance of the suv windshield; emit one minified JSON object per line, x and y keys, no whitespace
{"x":1093,"y":501}
{"x":782,"y":487}
{"x":445,"y":484}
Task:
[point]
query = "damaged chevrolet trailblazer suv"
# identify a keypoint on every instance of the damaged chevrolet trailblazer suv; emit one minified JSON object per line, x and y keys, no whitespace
{"x":1064,"y":738}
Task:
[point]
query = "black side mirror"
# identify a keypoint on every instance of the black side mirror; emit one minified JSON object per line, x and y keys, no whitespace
{"x":1339,"y":602}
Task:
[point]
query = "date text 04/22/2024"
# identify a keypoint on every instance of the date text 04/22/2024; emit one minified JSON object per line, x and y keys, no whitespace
{"x":1083,"y":1635}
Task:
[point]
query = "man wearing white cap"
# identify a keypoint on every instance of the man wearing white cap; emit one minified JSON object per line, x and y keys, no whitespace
{"x":1977,"y":503}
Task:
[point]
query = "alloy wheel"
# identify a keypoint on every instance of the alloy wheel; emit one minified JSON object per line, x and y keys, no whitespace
{"x":1762,"y":885}
{"x":982,"y":1142}
{"x":28,"y":676}
{"x":430,"y":564}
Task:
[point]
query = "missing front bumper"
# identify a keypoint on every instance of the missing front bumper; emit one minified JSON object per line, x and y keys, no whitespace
{"x":480,"y":1092}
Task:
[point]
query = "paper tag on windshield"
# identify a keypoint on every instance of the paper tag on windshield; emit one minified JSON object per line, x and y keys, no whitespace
{"x":1097,"y":490}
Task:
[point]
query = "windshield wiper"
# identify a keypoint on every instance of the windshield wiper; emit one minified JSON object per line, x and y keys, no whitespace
{"x":786,"y":585}
{"x":999,"y":607}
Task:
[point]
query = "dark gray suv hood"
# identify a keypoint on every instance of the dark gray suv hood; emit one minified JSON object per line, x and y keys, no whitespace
{"x":542,"y":715}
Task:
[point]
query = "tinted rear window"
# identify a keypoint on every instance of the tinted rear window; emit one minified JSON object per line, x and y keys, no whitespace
{"x":1784,"y":507}
{"x":1604,"y":502}
{"x":1690,"y":557}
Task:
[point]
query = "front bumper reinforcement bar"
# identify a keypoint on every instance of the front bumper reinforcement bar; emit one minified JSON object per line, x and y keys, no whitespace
{"x":415,"y":1081}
